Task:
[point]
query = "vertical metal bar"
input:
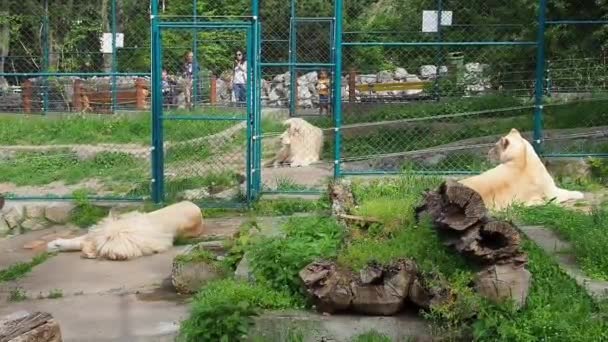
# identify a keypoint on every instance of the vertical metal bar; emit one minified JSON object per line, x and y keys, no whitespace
{"x":256,"y":82}
{"x":251,"y":136}
{"x":540,"y":75}
{"x":337,"y":81}
{"x":114,"y":68}
{"x":293,"y":23}
{"x":45,"y":57}
{"x":438,"y":52}
{"x":158,"y":186}
{"x":195,"y":77}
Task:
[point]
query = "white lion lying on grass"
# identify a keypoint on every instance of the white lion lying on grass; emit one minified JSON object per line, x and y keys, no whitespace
{"x":521,"y":177}
{"x":136,"y":234}
{"x":301,"y":144}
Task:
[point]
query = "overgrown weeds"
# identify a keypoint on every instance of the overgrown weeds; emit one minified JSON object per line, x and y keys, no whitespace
{"x":20,"y":269}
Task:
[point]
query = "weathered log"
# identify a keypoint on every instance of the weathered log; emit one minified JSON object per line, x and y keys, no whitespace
{"x":453,"y":206}
{"x":341,"y":198}
{"x":377,"y":290}
{"x":430,"y":290}
{"x":504,"y":282}
{"x":329,"y":289}
{"x":29,"y":327}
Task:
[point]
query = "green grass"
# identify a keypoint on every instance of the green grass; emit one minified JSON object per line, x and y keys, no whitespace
{"x":20,"y":269}
{"x":544,"y":318}
{"x":43,"y":168}
{"x":223,"y":310}
{"x":372,"y":336}
{"x":276,"y":261}
{"x":92,"y":129}
{"x":588,"y":233}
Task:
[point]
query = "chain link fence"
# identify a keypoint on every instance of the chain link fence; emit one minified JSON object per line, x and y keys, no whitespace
{"x":426,"y":85}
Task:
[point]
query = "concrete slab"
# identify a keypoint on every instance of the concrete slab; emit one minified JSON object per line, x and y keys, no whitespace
{"x":312,"y":327}
{"x":102,"y":318}
{"x":559,"y":250}
{"x":74,"y":275}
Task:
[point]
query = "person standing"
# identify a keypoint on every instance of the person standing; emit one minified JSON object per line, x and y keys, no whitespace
{"x":188,"y":70}
{"x":239,"y":79}
{"x":323,"y":89}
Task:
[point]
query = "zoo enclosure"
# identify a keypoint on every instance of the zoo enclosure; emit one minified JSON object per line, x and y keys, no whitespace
{"x":415,"y":92}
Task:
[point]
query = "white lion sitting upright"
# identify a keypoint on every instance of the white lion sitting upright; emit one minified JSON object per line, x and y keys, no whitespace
{"x":301,"y":144}
{"x":136,"y":234}
{"x":521,"y":177}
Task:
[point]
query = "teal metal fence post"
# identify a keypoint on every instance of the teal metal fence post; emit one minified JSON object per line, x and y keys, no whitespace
{"x":438,"y":52}
{"x":540,"y":76}
{"x":337,"y":81}
{"x":256,"y":83}
{"x":114,"y":67}
{"x":195,"y":78}
{"x":158,"y":188}
{"x":293,"y":46}
{"x":45,"y":57}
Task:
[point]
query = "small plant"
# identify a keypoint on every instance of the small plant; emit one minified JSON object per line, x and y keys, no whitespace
{"x":277,"y":261}
{"x":55,"y":293}
{"x":223,"y":310}
{"x":85,"y":213}
{"x":17,"y":295}
{"x":20,"y":269}
{"x":372,"y":336}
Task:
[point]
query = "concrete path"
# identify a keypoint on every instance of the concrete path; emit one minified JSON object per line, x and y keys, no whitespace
{"x":561,"y":251}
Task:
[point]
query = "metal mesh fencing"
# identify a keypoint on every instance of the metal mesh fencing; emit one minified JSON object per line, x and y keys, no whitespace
{"x":429,"y":94}
{"x":574,"y":117}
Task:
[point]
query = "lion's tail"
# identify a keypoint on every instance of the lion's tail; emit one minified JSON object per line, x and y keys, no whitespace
{"x":129,"y":237}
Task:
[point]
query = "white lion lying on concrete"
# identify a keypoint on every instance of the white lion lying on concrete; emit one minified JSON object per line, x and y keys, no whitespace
{"x":521,"y":177}
{"x":301,"y":144}
{"x":136,"y":234}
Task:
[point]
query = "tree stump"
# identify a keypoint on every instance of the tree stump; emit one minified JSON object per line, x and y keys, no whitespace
{"x":376,"y":290}
{"x":341,"y":198}
{"x":503,"y":282}
{"x":464,"y":224}
{"x":29,"y":327}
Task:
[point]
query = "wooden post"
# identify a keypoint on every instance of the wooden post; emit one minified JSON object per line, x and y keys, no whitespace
{"x":77,"y":97}
{"x":213,"y":92}
{"x":140,"y":94}
{"x":352,"y":84}
{"x":26,"y":95}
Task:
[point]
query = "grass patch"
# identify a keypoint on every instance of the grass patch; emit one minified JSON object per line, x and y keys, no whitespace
{"x":17,"y":295}
{"x":55,"y":293}
{"x":223,"y":310}
{"x":85,"y":214}
{"x":39,"y":168}
{"x":20,"y":269}
{"x":93,"y":129}
{"x":372,"y":336}
{"x":588,"y":233}
{"x":277,"y":261}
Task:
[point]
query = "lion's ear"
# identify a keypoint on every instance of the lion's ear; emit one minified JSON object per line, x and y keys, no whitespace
{"x":514,"y":131}
{"x":504,"y":143}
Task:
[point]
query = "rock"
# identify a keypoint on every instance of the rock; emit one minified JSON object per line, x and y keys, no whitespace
{"x":190,"y":272}
{"x":33,"y":224}
{"x":312,"y":77}
{"x":503,"y":282}
{"x":281,"y":78}
{"x":367,"y":79}
{"x":384,"y":77}
{"x":570,"y":168}
{"x":401,"y":74}
{"x":59,"y":212}
{"x":35,"y":245}
{"x":428,"y":71}
{"x":14,"y":216}
{"x":443,"y":70}
{"x":194,"y":194}
{"x":243,"y":270}
{"x":24,"y":326}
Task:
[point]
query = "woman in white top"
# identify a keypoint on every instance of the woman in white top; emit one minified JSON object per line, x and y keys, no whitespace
{"x":239,"y":79}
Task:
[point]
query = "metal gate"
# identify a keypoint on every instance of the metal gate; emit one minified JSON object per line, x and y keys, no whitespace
{"x":203,"y":148}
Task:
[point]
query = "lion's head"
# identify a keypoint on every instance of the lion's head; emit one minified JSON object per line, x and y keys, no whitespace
{"x":511,"y":147}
